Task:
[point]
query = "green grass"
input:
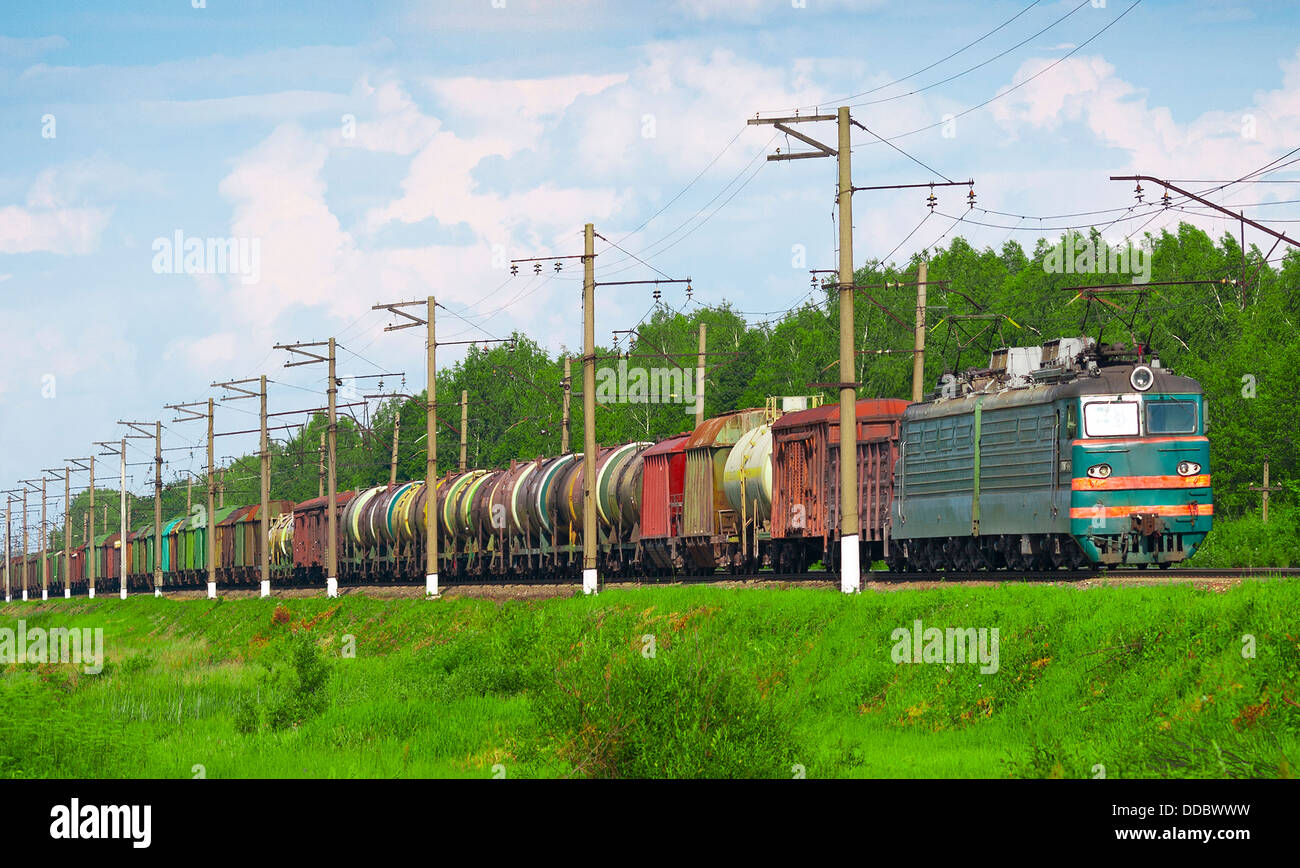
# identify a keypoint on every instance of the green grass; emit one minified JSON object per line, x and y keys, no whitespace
{"x":1145,"y":681}
{"x":1247,"y":541}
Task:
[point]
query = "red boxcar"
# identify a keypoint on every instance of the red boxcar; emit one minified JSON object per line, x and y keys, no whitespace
{"x":662,"y":487}
{"x":806,"y":482}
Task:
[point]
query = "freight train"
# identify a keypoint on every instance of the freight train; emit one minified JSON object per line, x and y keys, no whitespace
{"x":1065,"y":455}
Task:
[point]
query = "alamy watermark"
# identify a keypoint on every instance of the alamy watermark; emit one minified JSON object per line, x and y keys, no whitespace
{"x":920,"y":644}
{"x":79,"y":646}
{"x":90,"y":822}
{"x":197,"y":255}
{"x":636,"y":385}
{"x":1071,"y":256}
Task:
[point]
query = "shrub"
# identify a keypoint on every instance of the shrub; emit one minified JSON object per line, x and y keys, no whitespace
{"x":291,"y":692}
{"x":689,"y":712}
{"x":1248,"y":542}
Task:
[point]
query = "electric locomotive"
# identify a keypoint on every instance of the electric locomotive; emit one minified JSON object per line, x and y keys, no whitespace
{"x":1065,"y":455}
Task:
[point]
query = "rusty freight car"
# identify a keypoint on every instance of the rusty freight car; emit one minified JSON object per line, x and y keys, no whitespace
{"x":710,"y":526}
{"x":311,"y":535}
{"x":806,"y":483}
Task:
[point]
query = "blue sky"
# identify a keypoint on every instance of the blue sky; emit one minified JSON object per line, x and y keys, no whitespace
{"x":381,"y":151}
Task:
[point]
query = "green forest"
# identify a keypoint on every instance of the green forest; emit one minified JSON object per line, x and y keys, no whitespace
{"x":1235,"y":332}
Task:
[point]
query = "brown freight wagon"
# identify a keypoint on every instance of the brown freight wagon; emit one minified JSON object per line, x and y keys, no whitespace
{"x":108,"y":562}
{"x":806,"y":483}
{"x":76,"y":580}
{"x":31,"y":564}
{"x":310,"y":535}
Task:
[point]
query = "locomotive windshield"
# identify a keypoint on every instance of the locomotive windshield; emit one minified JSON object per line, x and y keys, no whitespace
{"x":1171,"y":417}
{"x":1110,"y":419}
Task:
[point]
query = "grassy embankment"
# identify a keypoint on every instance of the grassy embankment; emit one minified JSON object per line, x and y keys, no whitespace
{"x":1247,"y":541}
{"x":1143,"y":681}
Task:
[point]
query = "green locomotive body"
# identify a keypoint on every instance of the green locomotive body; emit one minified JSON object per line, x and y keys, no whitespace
{"x":1069,"y":457}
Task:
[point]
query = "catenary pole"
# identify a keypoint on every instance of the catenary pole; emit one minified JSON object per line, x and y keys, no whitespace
{"x":431,"y":453}
{"x":464,"y":428}
{"x":699,"y":376}
{"x":918,"y":356}
{"x":265,"y":486}
{"x":850,"y":576}
{"x":590,"y":578}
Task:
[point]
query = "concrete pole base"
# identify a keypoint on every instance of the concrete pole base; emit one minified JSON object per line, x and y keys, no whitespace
{"x":45,"y":595}
{"x":92,"y":593}
{"x":850,"y":572}
{"x":123,"y":594}
{"x":331,"y":587}
{"x":157,"y":592}
{"x":589,"y":581}
{"x":24,"y":595}
{"x":212,"y":590}
{"x":67,"y":593}
{"x":431,"y":585}
{"x":266,"y":588}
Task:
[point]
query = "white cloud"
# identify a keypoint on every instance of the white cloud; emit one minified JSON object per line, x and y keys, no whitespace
{"x":390,"y":123}
{"x":308,"y":259}
{"x":677,"y":100}
{"x":38,"y":346}
{"x":71,"y":231}
{"x":59,"y":216}
{"x":1087,"y":90}
{"x":486,"y":100}
{"x":211,"y":352}
{"x":279,"y":198}
{"x":278,"y":106}
{"x":439,"y":183}
{"x":29,"y":47}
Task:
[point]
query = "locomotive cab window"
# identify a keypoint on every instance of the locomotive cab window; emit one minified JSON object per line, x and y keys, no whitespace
{"x":1110,"y":419}
{"x":1171,"y":417}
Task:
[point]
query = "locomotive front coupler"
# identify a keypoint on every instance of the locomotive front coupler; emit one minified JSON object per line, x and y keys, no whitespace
{"x":1147,"y":524}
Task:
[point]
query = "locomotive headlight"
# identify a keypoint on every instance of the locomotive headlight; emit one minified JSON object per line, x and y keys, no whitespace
{"x":1141,"y":378}
{"x":1099,"y":471}
{"x":1188,"y":468}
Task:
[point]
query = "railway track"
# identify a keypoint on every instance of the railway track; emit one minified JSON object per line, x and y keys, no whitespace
{"x":953,"y":577}
{"x":508,"y":587}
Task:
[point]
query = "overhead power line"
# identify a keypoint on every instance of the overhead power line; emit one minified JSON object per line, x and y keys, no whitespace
{"x":843,"y":100}
{"x":980,"y":65}
{"x":1000,"y":94}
